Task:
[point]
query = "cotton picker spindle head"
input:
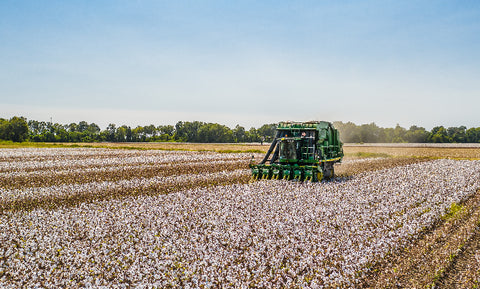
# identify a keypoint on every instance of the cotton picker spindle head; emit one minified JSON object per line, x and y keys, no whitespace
{"x":302,"y":151}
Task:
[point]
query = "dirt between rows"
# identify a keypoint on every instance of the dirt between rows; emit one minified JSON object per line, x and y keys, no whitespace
{"x":447,"y":255}
{"x":464,"y":272}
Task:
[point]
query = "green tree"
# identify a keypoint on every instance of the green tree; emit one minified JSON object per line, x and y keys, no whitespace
{"x":82,"y":126}
{"x":150,"y":132}
{"x":371,"y":133}
{"x":93,"y":129}
{"x":239,"y":134}
{"x":166,"y":132}
{"x":349,"y":132}
{"x":138,"y":134}
{"x":72,"y":127}
{"x":416,"y":135}
{"x":16,"y":129}
{"x":252,"y":135}
{"x":36,"y":127}
{"x":473,"y":135}
{"x":4,"y":128}
{"x":267,"y":132}
{"x":457,"y":134}
{"x":121,"y":134}
{"x":214,"y":132}
{"x":399,"y":134}
{"x":111,"y":131}
{"x":188,"y":131}
{"x":438,"y":134}
{"x":128,"y":133}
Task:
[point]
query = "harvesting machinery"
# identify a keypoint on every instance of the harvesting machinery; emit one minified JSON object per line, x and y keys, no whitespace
{"x":303,"y":151}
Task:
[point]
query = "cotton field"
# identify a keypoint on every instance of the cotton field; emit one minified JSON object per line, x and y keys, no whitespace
{"x":190,"y":219}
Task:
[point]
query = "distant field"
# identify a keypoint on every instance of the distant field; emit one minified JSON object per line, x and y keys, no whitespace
{"x":457,"y":151}
{"x":417,"y":150}
{"x":218,"y":147}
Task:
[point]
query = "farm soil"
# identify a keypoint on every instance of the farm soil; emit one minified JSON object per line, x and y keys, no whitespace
{"x":464,"y":271}
{"x":444,"y":256}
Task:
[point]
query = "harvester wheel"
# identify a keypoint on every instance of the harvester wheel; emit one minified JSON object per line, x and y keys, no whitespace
{"x":328,"y":170}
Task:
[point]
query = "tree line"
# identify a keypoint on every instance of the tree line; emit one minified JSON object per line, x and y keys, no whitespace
{"x":20,"y":129}
{"x":371,"y":133}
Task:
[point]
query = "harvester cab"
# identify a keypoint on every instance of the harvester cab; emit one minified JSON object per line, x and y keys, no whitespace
{"x":303,"y":151}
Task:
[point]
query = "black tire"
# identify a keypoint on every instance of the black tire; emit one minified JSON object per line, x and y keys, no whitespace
{"x":328,"y":171}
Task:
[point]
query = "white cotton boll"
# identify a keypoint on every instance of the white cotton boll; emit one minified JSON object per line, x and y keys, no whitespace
{"x":269,"y":233}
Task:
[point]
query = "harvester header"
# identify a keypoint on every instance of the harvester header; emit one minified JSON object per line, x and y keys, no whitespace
{"x":303,"y":151}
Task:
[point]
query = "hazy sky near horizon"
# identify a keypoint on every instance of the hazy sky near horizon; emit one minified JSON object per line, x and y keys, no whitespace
{"x":241,"y":62}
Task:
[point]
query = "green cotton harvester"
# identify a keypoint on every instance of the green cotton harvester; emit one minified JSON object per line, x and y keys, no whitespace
{"x":303,"y":151}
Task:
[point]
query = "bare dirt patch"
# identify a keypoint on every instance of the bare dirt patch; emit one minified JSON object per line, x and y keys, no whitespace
{"x":464,"y":272}
{"x":444,"y":256}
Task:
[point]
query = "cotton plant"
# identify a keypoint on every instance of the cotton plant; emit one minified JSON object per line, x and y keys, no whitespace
{"x":52,"y":177}
{"x":263,"y":234}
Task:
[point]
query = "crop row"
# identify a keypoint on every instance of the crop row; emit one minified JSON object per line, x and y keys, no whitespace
{"x":266,"y":234}
{"x":60,"y":181}
{"x":57,"y":178}
{"x":42,"y":178}
{"x":98,"y":157}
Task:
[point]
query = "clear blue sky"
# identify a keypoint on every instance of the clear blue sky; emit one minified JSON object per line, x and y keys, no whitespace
{"x":246,"y":62}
